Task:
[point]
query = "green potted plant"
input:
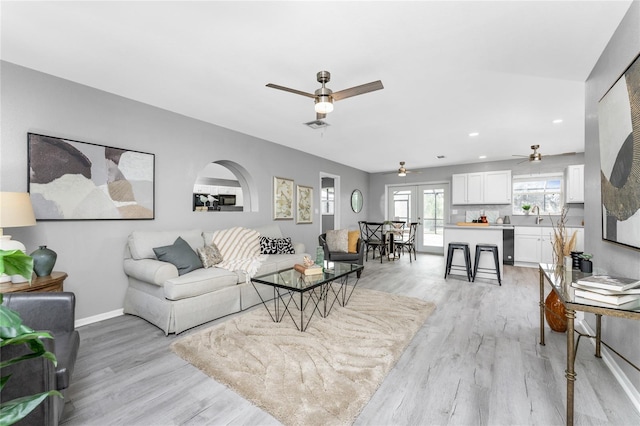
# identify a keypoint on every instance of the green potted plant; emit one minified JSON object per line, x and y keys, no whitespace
{"x":15,"y":262}
{"x":526,"y":208}
{"x":14,"y":332}
{"x":586,"y":265}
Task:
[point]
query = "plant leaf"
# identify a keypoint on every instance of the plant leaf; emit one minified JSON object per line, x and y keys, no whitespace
{"x":16,"y":409}
{"x":15,"y":262}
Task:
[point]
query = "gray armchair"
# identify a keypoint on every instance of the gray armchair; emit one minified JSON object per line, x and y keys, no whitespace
{"x":53,"y":312}
{"x":332,"y":256}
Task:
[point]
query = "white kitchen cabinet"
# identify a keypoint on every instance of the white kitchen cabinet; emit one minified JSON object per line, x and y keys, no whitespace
{"x":533,"y":245}
{"x":574,"y":178}
{"x":459,"y":189}
{"x":481,"y":188}
{"x":497,"y":187}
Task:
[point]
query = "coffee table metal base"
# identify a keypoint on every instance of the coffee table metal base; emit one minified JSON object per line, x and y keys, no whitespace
{"x":302,"y":305}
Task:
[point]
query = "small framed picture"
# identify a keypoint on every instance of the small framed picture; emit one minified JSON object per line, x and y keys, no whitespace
{"x":304,"y":206}
{"x":282,"y":198}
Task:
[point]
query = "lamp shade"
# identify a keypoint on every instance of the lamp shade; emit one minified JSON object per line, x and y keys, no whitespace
{"x":16,"y":210}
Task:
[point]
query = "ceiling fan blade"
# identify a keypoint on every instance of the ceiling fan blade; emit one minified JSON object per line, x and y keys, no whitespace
{"x":287,"y":89}
{"x":357,"y":90}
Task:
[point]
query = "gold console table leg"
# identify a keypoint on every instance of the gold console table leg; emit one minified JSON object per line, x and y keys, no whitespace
{"x":570,"y":373}
{"x":542,"y":307}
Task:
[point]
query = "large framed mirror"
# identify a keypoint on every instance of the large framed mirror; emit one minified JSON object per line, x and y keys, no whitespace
{"x":356,"y":201}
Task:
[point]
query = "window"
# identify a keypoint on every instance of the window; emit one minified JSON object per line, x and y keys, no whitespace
{"x":544,"y":191}
{"x":327,"y":198}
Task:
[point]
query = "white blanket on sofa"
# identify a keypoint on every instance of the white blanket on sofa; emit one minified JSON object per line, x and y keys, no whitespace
{"x":240,"y":249}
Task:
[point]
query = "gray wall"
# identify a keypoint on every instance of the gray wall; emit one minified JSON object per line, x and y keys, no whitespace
{"x":550,"y":164}
{"x":624,"y":335}
{"x":91,"y":251}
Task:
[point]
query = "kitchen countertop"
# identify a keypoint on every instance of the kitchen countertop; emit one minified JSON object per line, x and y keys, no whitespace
{"x":508,"y":226}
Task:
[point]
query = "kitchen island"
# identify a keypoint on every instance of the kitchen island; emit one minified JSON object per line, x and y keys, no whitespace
{"x":475,"y":234}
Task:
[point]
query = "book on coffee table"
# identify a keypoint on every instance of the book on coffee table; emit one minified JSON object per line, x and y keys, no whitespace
{"x":308,"y":270}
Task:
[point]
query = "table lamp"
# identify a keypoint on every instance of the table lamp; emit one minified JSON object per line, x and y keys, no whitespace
{"x":15,"y":211}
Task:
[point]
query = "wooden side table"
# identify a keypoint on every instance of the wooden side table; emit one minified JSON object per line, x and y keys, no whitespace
{"x":51,"y":282}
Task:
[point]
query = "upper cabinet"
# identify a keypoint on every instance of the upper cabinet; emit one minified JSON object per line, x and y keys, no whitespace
{"x":574,"y":178}
{"x":481,"y":188}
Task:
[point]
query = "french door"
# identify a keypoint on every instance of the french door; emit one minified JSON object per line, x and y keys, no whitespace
{"x":426,"y":204}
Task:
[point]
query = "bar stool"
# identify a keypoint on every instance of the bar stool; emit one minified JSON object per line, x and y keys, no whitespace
{"x":487,"y":248}
{"x":466,"y":255}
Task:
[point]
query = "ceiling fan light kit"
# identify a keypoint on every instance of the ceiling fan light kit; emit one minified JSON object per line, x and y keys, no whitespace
{"x":324,"y":97}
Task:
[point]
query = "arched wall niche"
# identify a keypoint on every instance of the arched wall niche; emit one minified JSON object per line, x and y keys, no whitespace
{"x":224,"y":185}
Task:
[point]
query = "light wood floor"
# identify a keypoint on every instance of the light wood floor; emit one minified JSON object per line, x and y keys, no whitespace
{"x":476,"y":361}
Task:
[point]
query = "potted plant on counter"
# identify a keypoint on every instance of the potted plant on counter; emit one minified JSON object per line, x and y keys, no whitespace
{"x":526,"y":208}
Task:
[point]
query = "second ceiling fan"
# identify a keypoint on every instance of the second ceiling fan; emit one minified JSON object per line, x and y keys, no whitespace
{"x":535,"y":156}
{"x":324,"y":96}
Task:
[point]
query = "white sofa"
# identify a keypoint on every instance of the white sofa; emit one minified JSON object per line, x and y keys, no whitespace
{"x":175,"y":303}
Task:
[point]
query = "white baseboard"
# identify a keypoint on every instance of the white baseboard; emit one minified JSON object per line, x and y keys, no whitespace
{"x":100,"y":317}
{"x":627,"y":386}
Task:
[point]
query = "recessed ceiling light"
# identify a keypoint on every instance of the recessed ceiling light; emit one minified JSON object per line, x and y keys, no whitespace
{"x":482,"y":157}
{"x":557,"y":121}
{"x":474,"y":134}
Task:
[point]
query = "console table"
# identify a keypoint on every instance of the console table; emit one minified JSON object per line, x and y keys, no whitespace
{"x":51,"y":282}
{"x":560,"y":281}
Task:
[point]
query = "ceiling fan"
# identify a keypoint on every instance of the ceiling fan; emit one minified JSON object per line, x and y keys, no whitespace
{"x":324,"y":96}
{"x":402,"y":171}
{"x":535,"y":156}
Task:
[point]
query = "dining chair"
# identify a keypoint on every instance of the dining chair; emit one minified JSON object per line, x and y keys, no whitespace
{"x":408,"y":244}
{"x":372,"y":235}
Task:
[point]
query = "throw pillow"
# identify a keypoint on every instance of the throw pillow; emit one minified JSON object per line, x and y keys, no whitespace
{"x":276,"y":245}
{"x":353,"y":241}
{"x":180,"y":254}
{"x":209,"y":255}
{"x":338,"y":240}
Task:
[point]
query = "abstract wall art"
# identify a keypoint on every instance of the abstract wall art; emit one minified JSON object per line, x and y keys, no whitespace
{"x":71,"y":180}
{"x":619,"y":133}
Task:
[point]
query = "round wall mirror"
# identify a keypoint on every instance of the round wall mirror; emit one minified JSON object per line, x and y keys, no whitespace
{"x":356,"y":201}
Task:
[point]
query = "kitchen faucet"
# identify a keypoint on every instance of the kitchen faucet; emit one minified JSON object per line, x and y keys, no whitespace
{"x":536,"y":209}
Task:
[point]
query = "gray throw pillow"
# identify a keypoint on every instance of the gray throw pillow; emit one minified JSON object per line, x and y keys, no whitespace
{"x":180,"y":254}
{"x":209,"y":255}
{"x":338,"y":240}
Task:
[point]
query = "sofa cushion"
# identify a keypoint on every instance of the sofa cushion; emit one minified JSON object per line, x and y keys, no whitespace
{"x":338,"y":240}
{"x":200,"y":281}
{"x":209,"y":255}
{"x":354,"y":236}
{"x":180,"y":254}
{"x":270,"y":245}
{"x":141,"y":243}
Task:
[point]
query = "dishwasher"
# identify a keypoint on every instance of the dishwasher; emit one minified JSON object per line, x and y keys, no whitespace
{"x":507,"y":245}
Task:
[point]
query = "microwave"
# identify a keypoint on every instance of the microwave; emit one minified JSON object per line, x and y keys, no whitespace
{"x":226,"y":200}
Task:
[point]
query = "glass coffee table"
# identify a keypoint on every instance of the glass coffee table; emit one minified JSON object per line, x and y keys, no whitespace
{"x":302,"y":295}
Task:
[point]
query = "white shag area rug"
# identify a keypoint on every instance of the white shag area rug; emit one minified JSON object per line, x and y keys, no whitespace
{"x":323,"y":376}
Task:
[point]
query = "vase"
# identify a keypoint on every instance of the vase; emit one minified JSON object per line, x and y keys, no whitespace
{"x":586,"y":265}
{"x":43,"y":261}
{"x":555,"y":313}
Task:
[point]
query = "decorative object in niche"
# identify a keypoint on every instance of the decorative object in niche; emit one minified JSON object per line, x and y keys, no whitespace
{"x":304,"y":204}
{"x":356,"y":201}
{"x":619,"y":131}
{"x":282,"y":198}
{"x":71,"y":180}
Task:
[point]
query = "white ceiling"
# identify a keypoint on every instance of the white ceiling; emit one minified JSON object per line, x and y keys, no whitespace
{"x":503,"y":69}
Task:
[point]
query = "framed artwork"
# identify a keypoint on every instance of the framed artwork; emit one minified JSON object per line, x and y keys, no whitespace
{"x":304,"y":210}
{"x":619,"y":133}
{"x":71,"y":180}
{"x":282,"y":198}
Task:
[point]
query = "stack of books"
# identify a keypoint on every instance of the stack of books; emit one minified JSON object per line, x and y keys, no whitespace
{"x":605,"y":288}
{"x":308,"y":270}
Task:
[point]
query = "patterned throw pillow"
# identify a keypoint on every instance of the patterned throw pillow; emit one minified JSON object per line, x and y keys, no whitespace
{"x":209,"y":255}
{"x":338,"y":240}
{"x":276,"y":246}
